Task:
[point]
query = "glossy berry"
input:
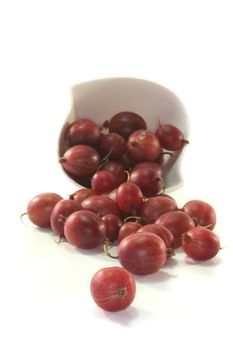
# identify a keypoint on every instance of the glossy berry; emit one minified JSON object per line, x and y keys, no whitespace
{"x":200,"y":243}
{"x":129,"y":198}
{"x":112,"y":224}
{"x":142,"y":254}
{"x":127,"y":229}
{"x":82,"y":194}
{"x":84,"y":229}
{"x":80,"y":160}
{"x":116,"y":169}
{"x":160,"y":231}
{"x":143,"y":146}
{"x":82,"y":131}
{"x":151,"y":165}
{"x":101,"y":205}
{"x":154,"y":207}
{"x":202,"y":213}
{"x":177,"y":222}
{"x":103,"y":181}
{"x":40,"y":208}
{"x":113,"y":288}
{"x":148,"y":180}
{"x":125,"y":123}
{"x":62,"y":210}
{"x":170,"y":137}
{"x":112,"y":145}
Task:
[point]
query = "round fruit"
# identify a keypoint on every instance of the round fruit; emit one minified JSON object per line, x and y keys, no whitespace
{"x":160,"y":231}
{"x":127,"y":229}
{"x":112,"y":145}
{"x":104,"y":182}
{"x":200,"y":243}
{"x":84,"y":229}
{"x":202,"y":213}
{"x":154,"y":207}
{"x":177,"y":223}
{"x":40,"y":208}
{"x":113,"y":288}
{"x":116,"y":169}
{"x":60,"y":213}
{"x":148,"y":179}
{"x":125,"y":123}
{"x":127,"y":161}
{"x":101,"y":205}
{"x":80,"y":160}
{"x":151,"y":165}
{"x":129,"y":198}
{"x":82,"y":194}
{"x":170,"y":137}
{"x":112,"y":224}
{"x":142,"y":254}
{"x":82,"y":131}
{"x":143,"y":146}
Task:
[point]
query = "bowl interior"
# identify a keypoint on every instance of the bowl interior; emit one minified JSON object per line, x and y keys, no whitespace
{"x":101,"y":99}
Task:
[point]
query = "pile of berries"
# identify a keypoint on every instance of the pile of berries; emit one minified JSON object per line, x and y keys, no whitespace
{"x":121,"y":165}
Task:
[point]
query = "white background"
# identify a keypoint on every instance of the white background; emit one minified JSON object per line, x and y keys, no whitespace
{"x":47,"y":46}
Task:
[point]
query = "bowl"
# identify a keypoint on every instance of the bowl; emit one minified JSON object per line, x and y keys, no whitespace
{"x":101,"y":99}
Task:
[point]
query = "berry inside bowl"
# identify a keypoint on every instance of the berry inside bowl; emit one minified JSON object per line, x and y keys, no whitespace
{"x":99,"y":100}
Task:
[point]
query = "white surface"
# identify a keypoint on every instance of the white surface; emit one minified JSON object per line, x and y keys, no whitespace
{"x":46,"y":47}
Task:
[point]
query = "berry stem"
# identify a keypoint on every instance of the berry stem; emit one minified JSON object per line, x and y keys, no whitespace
{"x":104,"y":125}
{"x":21,"y":216}
{"x":104,"y":160}
{"x":170,"y":252}
{"x":122,"y":292}
{"x":185,"y":237}
{"x":62,"y":218}
{"x":71,"y":196}
{"x":127,"y":173}
{"x":132,"y":217}
{"x":106,"y":246}
{"x":62,"y":160}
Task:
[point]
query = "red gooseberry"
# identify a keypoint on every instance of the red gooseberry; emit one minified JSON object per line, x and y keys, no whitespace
{"x":129,"y":198}
{"x":143,"y":146}
{"x":60,"y":213}
{"x":84,"y":229}
{"x":127,"y":229}
{"x":40,"y":208}
{"x":200,"y":243}
{"x":124,"y":123}
{"x":171,"y":138}
{"x":80,"y":160}
{"x":112,"y":224}
{"x":101,"y":205}
{"x":154,"y":207}
{"x":82,"y":131}
{"x":113,"y":288}
{"x":160,"y":231}
{"x":177,"y":222}
{"x":142,"y":254}
{"x":202,"y":213}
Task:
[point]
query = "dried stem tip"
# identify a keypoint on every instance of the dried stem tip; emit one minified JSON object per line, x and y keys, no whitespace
{"x":62,"y":160}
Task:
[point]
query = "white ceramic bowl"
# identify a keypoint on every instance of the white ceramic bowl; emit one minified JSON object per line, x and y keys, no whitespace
{"x":101,"y":99}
